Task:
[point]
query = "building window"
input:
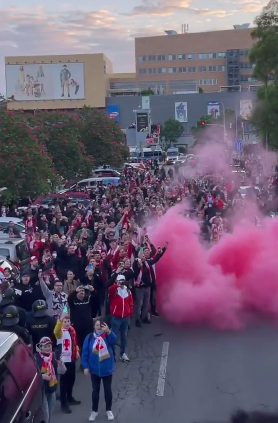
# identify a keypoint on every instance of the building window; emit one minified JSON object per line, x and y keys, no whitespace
{"x":161,"y":57}
{"x":212,"y":82}
{"x":142,"y":58}
{"x":221,"y":68}
{"x":203,"y":56}
{"x":221,"y":55}
{"x":202,"y":68}
{"x":142,"y":71}
{"x":244,"y":52}
{"x":152,"y":70}
{"x":212,"y":68}
{"x":172,"y":70}
{"x":151,"y":58}
{"x":212,"y":55}
{"x":172,"y":57}
{"x":203,"y":82}
{"x":244,"y":65}
{"x":182,"y":70}
{"x":161,"y":70}
{"x":181,"y":56}
{"x":191,"y":69}
{"x":191,"y":56}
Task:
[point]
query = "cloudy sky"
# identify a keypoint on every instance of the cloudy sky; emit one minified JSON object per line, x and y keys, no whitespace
{"x":30,"y":27}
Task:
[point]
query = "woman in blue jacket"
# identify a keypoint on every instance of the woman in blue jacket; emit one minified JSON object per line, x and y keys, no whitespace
{"x":98,"y":360}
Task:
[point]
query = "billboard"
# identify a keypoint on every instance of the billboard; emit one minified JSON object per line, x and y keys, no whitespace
{"x":45,"y":81}
{"x":245,"y":108}
{"x":142,"y":122}
{"x":213,"y":109}
{"x":181,"y":112}
{"x":113,"y":112}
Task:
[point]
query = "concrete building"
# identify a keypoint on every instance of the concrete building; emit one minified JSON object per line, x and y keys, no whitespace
{"x":214,"y":61}
{"x":57,"y":82}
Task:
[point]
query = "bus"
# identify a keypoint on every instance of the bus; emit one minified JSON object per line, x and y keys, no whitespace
{"x":152,"y":154}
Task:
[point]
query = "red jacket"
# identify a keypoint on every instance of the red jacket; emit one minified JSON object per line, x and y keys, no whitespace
{"x":119,"y":306}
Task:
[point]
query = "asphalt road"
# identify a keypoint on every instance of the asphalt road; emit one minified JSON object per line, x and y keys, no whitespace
{"x":209,"y":375}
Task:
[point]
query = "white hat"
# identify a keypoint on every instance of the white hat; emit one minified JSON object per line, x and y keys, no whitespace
{"x":120,"y":278}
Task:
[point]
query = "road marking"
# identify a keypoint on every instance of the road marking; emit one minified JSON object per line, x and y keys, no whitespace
{"x":162,"y":370}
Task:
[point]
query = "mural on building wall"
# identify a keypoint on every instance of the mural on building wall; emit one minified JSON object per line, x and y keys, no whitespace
{"x":245,"y":109}
{"x":181,"y":112}
{"x":49,"y":81}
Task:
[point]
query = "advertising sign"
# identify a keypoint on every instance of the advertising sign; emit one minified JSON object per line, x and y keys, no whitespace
{"x":146,"y":102}
{"x":213,"y":109}
{"x":45,"y":81}
{"x":142,"y":122}
{"x":245,"y":108}
{"x":181,"y":112}
{"x":113,"y":112}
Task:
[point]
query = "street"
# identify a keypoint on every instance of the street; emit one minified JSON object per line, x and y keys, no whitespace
{"x":209,"y":375}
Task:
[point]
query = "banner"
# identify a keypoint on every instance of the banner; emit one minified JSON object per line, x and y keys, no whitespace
{"x":213,"y":109}
{"x":113,"y":112}
{"x":142,"y":122}
{"x":146,"y":102}
{"x":245,"y":108}
{"x":181,"y":112}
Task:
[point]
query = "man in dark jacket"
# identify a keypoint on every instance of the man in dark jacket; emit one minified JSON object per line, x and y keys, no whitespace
{"x":144,"y":279}
{"x":10,"y":323}
{"x":9,"y":298}
{"x":40,"y":324}
{"x":26,"y":294}
{"x":68,"y":260}
{"x":34,"y":268}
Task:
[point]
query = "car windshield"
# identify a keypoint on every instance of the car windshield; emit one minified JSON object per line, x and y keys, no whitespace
{"x":4,"y":252}
{"x":172,"y":153}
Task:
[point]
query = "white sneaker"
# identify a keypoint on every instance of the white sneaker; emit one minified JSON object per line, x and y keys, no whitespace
{"x":93,"y":416}
{"x":124,"y":357}
{"x":110,"y":415}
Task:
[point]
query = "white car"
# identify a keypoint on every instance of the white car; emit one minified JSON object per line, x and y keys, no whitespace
{"x":243,"y":190}
{"x":18,"y":224}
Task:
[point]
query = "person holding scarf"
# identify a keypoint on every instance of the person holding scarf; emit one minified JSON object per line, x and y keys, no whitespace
{"x":98,"y":361}
{"x":48,"y":365}
{"x":69,"y":353}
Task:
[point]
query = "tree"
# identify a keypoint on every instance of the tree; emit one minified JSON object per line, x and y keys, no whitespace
{"x":25,"y":166}
{"x":102,"y":137}
{"x":264,"y":57}
{"x":60,"y":132}
{"x":147,"y":92}
{"x":172,"y":130}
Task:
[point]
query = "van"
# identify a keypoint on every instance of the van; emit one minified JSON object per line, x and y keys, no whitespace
{"x":15,"y":249}
{"x":22,"y":397}
{"x":93,"y":182}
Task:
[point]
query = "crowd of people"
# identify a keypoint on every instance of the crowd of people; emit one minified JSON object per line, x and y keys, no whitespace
{"x":93,"y":268}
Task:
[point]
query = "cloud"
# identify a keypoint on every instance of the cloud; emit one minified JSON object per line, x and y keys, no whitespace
{"x":170,"y":7}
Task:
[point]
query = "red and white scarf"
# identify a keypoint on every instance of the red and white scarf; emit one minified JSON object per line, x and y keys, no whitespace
{"x":138,"y":281}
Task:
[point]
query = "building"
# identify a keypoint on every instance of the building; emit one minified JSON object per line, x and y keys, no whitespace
{"x":179,"y":63}
{"x":57,"y":82}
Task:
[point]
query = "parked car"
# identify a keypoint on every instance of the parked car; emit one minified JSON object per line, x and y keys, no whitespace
{"x":22,"y":397}
{"x":15,"y":249}
{"x":18,"y":224}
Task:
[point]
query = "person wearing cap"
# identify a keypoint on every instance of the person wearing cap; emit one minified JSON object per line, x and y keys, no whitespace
{"x":121,"y":309}
{"x":9,"y":298}
{"x":40,"y":324}
{"x":34,"y":268}
{"x":10,"y":323}
{"x":47,"y":363}
{"x":27,"y":294}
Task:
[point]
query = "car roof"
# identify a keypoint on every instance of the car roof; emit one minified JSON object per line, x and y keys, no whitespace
{"x":10,"y":241}
{"x":7,"y":339}
{"x":10,"y":219}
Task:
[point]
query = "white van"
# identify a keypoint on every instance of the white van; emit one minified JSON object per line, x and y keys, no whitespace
{"x":93,"y":182}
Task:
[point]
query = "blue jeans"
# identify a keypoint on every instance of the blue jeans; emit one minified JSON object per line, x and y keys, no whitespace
{"x":50,"y":403}
{"x":120,"y":324}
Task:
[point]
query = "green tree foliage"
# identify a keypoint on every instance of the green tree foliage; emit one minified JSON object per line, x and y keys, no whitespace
{"x":172,"y":130}
{"x":25,"y":166}
{"x":264,"y":57}
{"x":60,"y":133}
{"x":102,"y":137}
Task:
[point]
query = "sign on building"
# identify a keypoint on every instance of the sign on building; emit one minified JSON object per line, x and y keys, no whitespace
{"x":113,"y":112}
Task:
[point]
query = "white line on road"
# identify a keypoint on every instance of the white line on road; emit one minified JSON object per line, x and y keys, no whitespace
{"x":162,"y":370}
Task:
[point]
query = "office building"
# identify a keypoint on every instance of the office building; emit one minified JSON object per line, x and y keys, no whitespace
{"x":213,"y":61}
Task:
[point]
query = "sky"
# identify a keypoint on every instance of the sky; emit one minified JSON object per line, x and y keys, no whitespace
{"x":38,"y":27}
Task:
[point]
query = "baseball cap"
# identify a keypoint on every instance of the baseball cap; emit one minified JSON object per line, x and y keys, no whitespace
{"x":33,"y":258}
{"x":120,"y":278}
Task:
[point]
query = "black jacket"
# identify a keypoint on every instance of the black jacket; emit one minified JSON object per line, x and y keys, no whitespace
{"x":148,"y":276}
{"x":82,"y":312}
{"x":39,"y":327}
{"x":26,"y":295}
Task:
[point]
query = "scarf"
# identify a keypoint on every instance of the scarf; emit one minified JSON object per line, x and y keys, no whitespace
{"x":138,"y":281}
{"x":100,"y":347}
{"x":47,"y":368}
